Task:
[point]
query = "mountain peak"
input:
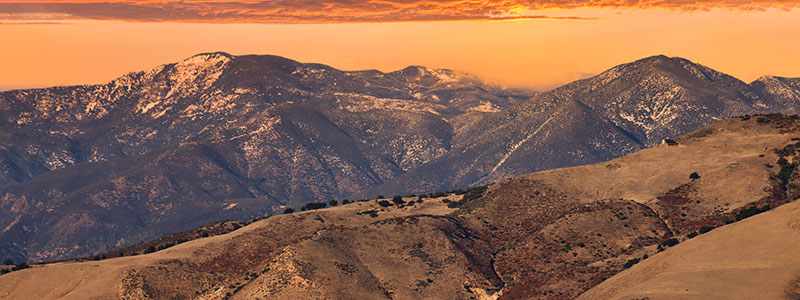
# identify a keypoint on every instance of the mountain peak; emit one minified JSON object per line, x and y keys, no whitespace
{"x":214,"y":54}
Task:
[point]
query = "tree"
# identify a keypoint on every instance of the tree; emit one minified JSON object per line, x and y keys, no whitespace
{"x":333,"y":203}
{"x":384,"y":203}
{"x":288,"y":210}
{"x":398,"y":200}
{"x":20,"y":266}
{"x":8,"y":262}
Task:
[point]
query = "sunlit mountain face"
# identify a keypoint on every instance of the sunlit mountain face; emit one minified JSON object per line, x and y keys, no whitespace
{"x":217,"y":136}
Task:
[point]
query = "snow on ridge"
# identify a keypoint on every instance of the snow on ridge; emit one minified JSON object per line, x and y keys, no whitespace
{"x":184,"y":78}
{"x":362,"y":103}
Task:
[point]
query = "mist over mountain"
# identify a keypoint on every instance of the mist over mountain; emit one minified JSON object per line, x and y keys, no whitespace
{"x":85,"y":169}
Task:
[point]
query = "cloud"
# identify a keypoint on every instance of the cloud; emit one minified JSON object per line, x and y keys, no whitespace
{"x":339,"y":11}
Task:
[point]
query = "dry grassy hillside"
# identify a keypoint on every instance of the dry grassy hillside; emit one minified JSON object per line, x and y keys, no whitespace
{"x":756,"y":258}
{"x":546,"y":235}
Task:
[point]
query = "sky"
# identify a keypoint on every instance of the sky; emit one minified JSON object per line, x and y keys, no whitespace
{"x":516,"y":43}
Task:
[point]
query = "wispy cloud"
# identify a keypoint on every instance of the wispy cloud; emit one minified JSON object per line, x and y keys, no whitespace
{"x":340,"y":11}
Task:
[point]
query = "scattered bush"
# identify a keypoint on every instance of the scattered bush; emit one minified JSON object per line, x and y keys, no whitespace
{"x":314,"y":205}
{"x":705,"y":229}
{"x":372,"y":213}
{"x":20,"y":266}
{"x":669,"y":243}
{"x":398,"y":200}
{"x":750,"y":211}
{"x":474,"y":193}
{"x":785,"y":173}
{"x":630,"y":263}
{"x":438,"y":194}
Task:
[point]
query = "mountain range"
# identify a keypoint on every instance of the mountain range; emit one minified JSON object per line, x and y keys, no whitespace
{"x":710,"y":215}
{"x":87,"y":169}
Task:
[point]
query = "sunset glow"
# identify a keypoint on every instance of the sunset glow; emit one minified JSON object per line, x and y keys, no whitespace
{"x":537,"y":44}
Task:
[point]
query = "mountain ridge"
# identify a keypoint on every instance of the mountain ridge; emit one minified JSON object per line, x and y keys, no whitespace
{"x":638,"y":101}
{"x":263,"y":133}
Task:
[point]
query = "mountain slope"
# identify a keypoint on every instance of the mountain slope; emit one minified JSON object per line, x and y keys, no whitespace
{"x":546,"y":235}
{"x":622,"y":110}
{"x":209,"y":138}
{"x":752,"y":259}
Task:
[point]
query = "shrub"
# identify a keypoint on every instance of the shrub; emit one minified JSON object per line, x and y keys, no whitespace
{"x":630,"y":263}
{"x":288,"y":210}
{"x":694,"y":175}
{"x":692,"y":234}
{"x":384,"y":203}
{"x":705,"y":229}
{"x":474,"y":193}
{"x":669,"y":243}
{"x":8,"y":262}
{"x":150,"y":249}
{"x":750,"y":211}
{"x":20,"y":266}
{"x":438,"y":194}
{"x":398,"y":200}
{"x":333,"y":203}
{"x":314,"y":205}
{"x":345,"y":201}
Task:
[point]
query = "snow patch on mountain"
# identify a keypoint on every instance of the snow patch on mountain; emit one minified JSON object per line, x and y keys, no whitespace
{"x":362,"y":103}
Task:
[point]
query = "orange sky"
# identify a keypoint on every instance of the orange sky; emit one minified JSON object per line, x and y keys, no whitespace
{"x":561,"y":40}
